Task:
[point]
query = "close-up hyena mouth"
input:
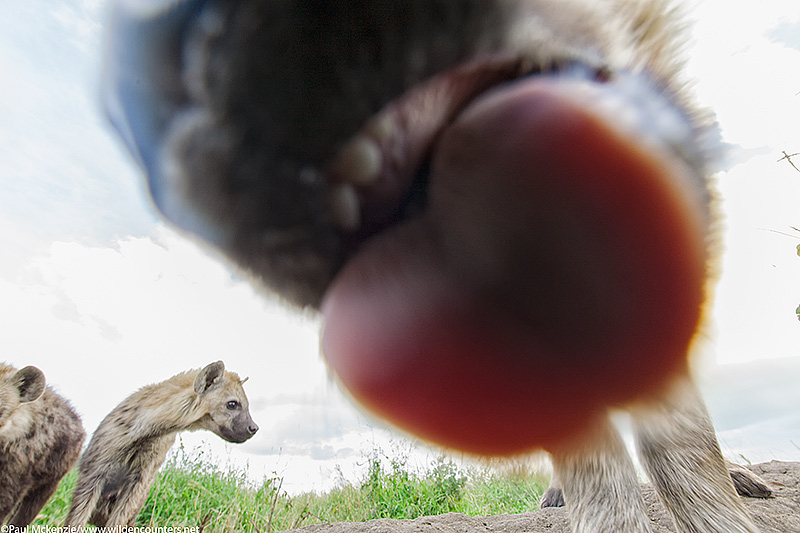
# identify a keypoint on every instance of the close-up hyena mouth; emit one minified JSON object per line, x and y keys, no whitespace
{"x":500,"y":209}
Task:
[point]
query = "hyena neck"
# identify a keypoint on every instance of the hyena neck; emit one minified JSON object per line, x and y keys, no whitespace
{"x":168,"y":407}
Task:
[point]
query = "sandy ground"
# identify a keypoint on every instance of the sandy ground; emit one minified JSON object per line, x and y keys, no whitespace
{"x":780,"y":514}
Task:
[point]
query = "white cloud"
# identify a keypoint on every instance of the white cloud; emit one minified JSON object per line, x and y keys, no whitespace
{"x":750,"y":83}
{"x":760,"y":287}
{"x":61,"y":170}
{"x":747,"y":78}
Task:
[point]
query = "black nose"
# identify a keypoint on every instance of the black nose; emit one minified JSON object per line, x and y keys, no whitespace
{"x":252,"y":428}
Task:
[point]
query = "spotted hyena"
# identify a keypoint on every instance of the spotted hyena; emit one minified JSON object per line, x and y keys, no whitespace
{"x":501,"y":209}
{"x":131,"y":443}
{"x":40,"y":440}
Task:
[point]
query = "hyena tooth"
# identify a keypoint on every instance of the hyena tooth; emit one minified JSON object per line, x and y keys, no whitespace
{"x":345,"y":206}
{"x":381,"y":127}
{"x":359,"y":162}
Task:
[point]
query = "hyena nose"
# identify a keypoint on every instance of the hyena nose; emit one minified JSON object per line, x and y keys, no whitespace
{"x":252,"y":428}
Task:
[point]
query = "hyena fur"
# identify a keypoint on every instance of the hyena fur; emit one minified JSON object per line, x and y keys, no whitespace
{"x":40,"y":440}
{"x":131,"y":443}
{"x":746,"y":483}
{"x":678,"y":449}
{"x":240,"y":133}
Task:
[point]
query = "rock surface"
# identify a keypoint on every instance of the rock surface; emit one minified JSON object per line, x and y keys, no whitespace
{"x":779,"y":514}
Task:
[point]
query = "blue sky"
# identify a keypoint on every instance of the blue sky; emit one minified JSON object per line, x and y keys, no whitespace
{"x":103,"y":297}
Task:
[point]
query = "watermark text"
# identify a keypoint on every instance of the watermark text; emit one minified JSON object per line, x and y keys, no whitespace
{"x":115,"y":529}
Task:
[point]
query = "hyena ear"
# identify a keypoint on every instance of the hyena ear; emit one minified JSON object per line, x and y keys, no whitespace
{"x":211,"y":375}
{"x":30,"y":383}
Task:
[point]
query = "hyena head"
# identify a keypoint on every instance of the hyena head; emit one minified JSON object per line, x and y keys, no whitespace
{"x":226,"y":405}
{"x":478,"y":195}
{"x":17,"y":387}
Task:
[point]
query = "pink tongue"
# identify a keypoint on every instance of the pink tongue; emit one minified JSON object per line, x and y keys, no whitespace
{"x":558,"y":270}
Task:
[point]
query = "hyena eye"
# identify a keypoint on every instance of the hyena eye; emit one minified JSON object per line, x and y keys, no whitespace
{"x":233,"y":404}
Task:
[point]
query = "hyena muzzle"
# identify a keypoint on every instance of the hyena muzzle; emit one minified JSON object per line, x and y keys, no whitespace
{"x":500,"y":208}
{"x":40,"y":440}
{"x":131,"y":443}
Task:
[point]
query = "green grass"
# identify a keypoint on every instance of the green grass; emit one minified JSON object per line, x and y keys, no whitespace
{"x":190,"y":491}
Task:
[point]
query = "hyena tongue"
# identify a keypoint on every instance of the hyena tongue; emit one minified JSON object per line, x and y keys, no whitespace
{"x":558,"y":270}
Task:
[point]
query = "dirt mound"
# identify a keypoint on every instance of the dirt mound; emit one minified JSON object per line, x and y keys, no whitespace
{"x":780,"y":514}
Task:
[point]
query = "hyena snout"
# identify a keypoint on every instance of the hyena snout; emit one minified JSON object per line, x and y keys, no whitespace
{"x":235,"y":424}
{"x":239,"y":430}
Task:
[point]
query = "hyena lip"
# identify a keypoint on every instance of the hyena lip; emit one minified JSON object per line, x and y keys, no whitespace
{"x":560,"y":255}
{"x":236,"y":437}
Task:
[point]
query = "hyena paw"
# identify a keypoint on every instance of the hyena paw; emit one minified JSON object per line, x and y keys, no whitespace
{"x":552,"y":497}
{"x":747,"y":483}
